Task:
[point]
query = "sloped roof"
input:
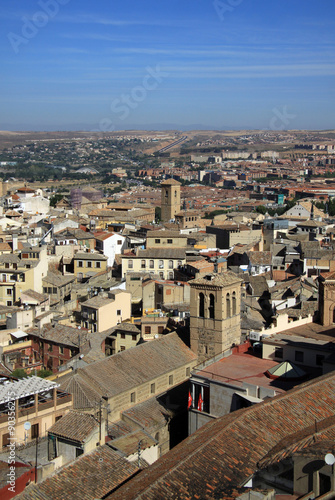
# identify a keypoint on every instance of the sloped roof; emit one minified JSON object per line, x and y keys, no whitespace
{"x":133,"y":367}
{"x":92,"y":475}
{"x":218,"y":459}
{"x":224,"y":279}
{"x":75,"y":426}
{"x":286,"y":370}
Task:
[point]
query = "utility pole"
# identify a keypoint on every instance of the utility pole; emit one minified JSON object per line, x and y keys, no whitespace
{"x":36,"y":459}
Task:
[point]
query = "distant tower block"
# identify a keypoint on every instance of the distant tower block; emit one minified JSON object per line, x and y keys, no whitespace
{"x":170,"y":199}
{"x":215,"y":322}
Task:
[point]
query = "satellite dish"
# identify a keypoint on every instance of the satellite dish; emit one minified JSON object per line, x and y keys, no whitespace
{"x":27,"y":426}
{"x":330,"y":459}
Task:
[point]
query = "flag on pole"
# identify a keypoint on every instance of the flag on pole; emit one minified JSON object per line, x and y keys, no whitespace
{"x":189,"y":400}
{"x":200,"y":402}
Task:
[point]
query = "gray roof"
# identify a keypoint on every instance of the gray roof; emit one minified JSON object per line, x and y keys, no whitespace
{"x":130,"y":368}
{"x":58,"y":279}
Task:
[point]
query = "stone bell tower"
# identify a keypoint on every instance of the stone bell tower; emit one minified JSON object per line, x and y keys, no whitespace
{"x":170,"y":199}
{"x":215,"y":323}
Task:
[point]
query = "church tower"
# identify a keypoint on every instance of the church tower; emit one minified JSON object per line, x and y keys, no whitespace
{"x":170,"y":199}
{"x":215,"y":323}
{"x":327,"y":298}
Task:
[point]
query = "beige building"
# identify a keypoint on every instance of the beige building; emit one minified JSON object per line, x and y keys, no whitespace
{"x":22,"y":272}
{"x":132,"y":376}
{"x":215,"y":313}
{"x":87,"y":265}
{"x":34,"y":400}
{"x":103,"y":312}
{"x":166,"y":239}
{"x":121,"y":337}
{"x":158,"y":261}
{"x":170,"y":201}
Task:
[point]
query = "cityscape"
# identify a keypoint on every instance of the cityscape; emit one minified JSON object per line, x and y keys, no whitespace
{"x":167,"y":251}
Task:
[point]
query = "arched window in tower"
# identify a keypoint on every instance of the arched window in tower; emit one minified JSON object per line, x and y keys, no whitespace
{"x":211,"y":306}
{"x":175,"y":194}
{"x":234,"y":303}
{"x":166,"y":193}
{"x":201,"y":305}
{"x":228,"y":314}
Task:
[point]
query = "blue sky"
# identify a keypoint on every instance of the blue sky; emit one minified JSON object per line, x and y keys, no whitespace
{"x":222,"y":64}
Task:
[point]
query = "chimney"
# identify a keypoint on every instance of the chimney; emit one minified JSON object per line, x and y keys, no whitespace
{"x":14,"y":241}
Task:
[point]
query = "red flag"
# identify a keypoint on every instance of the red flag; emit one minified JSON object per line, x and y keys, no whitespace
{"x":200,"y":403}
{"x":189,"y":400}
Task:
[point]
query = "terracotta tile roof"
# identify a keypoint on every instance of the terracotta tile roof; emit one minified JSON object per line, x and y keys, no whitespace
{"x":219,"y":458}
{"x":221,"y":280}
{"x":84,"y":395}
{"x":92,"y":475}
{"x":61,"y":334}
{"x":123,"y":371}
{"x":149,"y":415}
{"x":75,"y":426}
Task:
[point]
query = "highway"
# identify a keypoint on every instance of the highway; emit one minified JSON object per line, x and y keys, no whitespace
{"x":182,"y":139}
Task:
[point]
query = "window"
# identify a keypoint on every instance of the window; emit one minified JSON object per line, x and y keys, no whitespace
{"x":171,"y":277}
{"x":170,"y":241}
{"x":130,"y":264}
{"x":6,"y":439}
{"x":123,"y":335}
{"x":279,"y":352}
{"x":153,"y":388}
{"x":161,"y":275}
{"x":80,"y":263}
{"x":98,"y":265}
{"x":79,"y":452}
{"x":61,"y":349}
{"x":151,"y":264}
{"x":234,"y":303}
{"x":7,"y":265}
{"x":147,"y":330}
{"x":319,"y":359}
{"x":299,"y":356}
{"x":211,"y":306}
{"x":119,"y":242}
{"x":201,"y":305}
{"x":132,"y":397}
{"x":54,"y":290}
{"x":133,"y":337}
{"x":119,"y":312}
{"x":143,"y":264}
{"x":160,"y":330}
{"x":9,"y":303}
{"x":122,"y":348}
{"x":170,"y":264}
{"x":9,"y":291}
{"x":157,"y":240}
{"x":228,"y":306}
{"x":45,"y":290}
{"x":161,"y":264}
{"x":170,"y":379}
{"x":89,"y":263}
{"x":188,"y":371}
{"x":58,"y":418}
{"x":34,"y":431}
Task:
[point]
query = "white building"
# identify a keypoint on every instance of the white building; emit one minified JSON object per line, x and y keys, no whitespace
{"x":110,"y":244}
